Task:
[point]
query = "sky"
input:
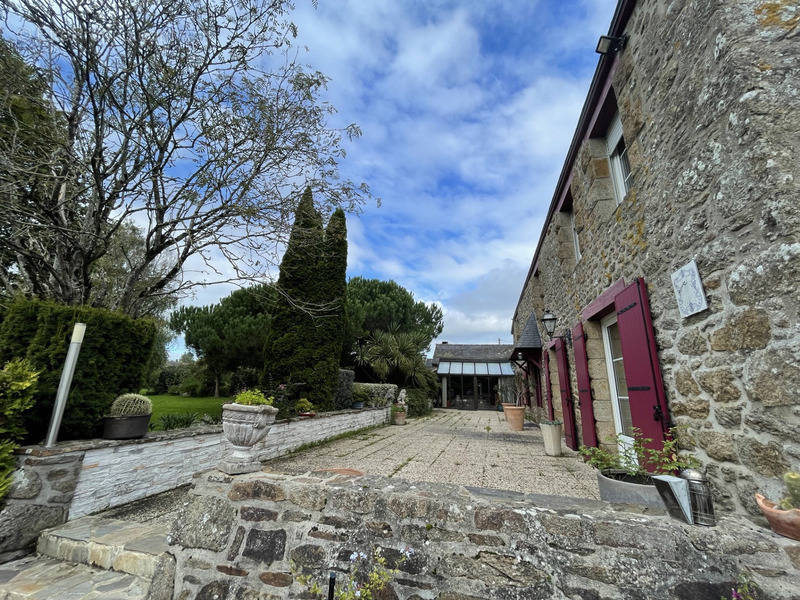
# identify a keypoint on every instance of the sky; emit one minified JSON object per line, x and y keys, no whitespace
{"x":467,"y":110}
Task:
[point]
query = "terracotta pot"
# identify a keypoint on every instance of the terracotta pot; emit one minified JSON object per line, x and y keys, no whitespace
{"x":244,"y":426}
{"x":399,"y":418}
{"x":783,"y":522}
{"x":505,"y":406}
{"x":515,"y":417}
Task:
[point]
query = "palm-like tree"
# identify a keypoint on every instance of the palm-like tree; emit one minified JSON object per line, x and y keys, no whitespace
{"x":395,"y":356}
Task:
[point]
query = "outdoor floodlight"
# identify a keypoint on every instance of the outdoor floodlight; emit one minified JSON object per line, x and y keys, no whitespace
{"x":610,"y":45}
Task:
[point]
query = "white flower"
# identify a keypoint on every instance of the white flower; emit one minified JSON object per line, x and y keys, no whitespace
{"x":353,"y":557}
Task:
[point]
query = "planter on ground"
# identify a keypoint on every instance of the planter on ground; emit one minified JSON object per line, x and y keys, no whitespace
{"x":551,"y":435}
{"x":515,"y":417}
{"x":399,"y":418}
{"x":245,"y":426}
{"x":620,"y":488}
{"x":782,"y":522}
{"x":505,"y":406}
{"x":357,"y":405}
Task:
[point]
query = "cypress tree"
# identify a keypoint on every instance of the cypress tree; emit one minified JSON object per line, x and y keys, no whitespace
{"x":290,"y":349}
{"x":305,"y":342}
{"x":331,"y":326}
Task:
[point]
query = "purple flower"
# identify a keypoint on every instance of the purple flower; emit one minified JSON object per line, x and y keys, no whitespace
{"x":735,"y":595}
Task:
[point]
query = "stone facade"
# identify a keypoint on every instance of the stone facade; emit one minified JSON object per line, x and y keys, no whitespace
{"x":706,"y":92}
{"x":250,"y":536}
{"x":83,"y":477}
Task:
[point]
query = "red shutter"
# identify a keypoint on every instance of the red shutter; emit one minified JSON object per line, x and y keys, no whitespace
{"x":640,"y":360}
{"x":548,"y":390}
{"x":584,"y":386}
{"x":570,"y":435}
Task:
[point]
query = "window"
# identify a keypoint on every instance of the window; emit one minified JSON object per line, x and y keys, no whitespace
{"x":618,"y":159}
{"x":618,"y":386}
{"x":575,"y":240}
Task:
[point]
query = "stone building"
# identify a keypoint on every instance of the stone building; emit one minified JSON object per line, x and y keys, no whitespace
{"x":687,"y":149}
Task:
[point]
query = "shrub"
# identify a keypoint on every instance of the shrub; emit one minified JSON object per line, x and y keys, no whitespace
{"x":375,"y":394}
{"x":131,"y":405}
{"x":253,"y":398}
{"x":114,"y":354}
{"x":637,"y":459}
{"x":344,"y":391}
{"x":17,"y":387}
{"x":303,"y":406}
{"x":244,"y":378}
{"x":418,"y":403}
{"x":178,"y":420}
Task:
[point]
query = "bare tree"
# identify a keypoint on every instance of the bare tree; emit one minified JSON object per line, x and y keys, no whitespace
{"x":191,"y":120}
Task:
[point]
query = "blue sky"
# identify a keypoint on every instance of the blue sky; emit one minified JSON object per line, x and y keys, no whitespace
{"x":467,"y":110}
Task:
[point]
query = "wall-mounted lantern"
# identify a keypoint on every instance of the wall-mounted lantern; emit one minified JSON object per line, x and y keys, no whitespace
{"x":608,"y":45}
{"x":549,"y":323}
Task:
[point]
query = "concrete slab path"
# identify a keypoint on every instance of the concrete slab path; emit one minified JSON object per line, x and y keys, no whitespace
{"x":464,"y":447}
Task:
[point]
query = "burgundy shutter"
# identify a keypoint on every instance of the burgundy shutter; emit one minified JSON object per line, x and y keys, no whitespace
{"x":640,"y":360}
{"x":570,"y":436}
{"x":584,"y":386}
{"x":548,"y":390}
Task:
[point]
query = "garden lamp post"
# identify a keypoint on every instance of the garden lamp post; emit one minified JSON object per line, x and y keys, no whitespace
{"x":66,"y":381}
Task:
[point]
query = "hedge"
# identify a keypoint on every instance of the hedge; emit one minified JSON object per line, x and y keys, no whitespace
{"x":375,"y":394}
{"x":344,"y":391}
{"x":112,"y":361}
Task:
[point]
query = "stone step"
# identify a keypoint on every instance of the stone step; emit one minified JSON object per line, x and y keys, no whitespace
{"x":128,"y":547}
{"x":45,"y":578}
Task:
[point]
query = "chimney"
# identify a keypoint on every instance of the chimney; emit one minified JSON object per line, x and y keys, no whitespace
{"x":443,"y":343}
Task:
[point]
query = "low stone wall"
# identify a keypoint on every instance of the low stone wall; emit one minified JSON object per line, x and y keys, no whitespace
{"x":83,"y":477}
{"x":249,"y":536}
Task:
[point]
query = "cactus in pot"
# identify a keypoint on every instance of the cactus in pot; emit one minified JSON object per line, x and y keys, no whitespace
{"x":128,"y":417}
{"x":245,"y":422}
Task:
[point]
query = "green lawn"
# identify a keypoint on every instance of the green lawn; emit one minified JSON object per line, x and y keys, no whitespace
{"x":167,"y":404}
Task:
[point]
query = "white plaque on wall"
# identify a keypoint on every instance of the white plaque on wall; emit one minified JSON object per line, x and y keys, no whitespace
{"x":689,"y":290}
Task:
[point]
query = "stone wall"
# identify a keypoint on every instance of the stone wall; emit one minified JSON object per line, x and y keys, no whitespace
{"x":83,"y":477}
{"x":704,"y":91}
{"x":250,"y":536}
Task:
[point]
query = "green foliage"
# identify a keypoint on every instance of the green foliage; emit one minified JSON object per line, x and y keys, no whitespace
{"x":303,"y":406}
{"x":745,"y":589}
{"x":361,"y":394}
{"x":17,"y":387}
{"x":373,"y":305}
{"x":303,"y":346}
{"x":363,"y":582}
{"x":178,"y":420}
{"x":418,"y":403}
{"x":637,"y":459}
{"x":374,"y":394}
{"x":130,"y":405}
{"x":398,"y":408}
{"x":112,"y":360}
{"x":230,"y":334}
{"x":253,"y":398}
{"x":792,"y":481}
{"x":344,"y":391}
{"x":395,"y":357}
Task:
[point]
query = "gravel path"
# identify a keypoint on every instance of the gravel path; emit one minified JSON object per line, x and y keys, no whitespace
{"x":465,"y":447}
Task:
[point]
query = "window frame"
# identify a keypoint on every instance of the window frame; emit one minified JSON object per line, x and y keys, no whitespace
{"x":618,"y":162}
{"x":576,"y":244}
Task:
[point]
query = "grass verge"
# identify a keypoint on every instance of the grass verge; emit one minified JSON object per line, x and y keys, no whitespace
{"x":168,"y":404}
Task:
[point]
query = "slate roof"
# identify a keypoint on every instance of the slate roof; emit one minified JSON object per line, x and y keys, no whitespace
{"x":529,"y":338}
{"x":472,"y":352}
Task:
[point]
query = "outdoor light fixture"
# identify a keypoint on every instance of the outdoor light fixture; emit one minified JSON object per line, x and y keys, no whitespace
{"x":549,"y":323}
{"x":610,"y":45}
{"x":520,"y":360}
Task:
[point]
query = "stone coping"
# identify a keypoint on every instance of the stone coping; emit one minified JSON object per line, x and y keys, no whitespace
{"x":68,"y":446}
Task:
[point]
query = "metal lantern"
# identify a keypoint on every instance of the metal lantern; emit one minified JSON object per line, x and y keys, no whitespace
{"x":700,"y":497}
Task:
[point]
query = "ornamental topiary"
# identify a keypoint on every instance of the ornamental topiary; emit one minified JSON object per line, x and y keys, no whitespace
{"x":131,"y":405}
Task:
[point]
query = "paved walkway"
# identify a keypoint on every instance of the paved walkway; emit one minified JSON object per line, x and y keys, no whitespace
{"x":464,"y":447}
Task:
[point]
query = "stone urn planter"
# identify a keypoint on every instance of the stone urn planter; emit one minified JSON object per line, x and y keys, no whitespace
{"x":551,"y":435}
{"x":515,"y":417}
{"x":782,"y":522}
{"x":245,"y":426}
{"x":620,"y":488}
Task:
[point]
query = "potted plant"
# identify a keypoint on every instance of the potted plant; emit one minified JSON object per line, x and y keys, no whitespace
{"x":784,"y":517}
{"x":360,"y":397}
{"x":245,"y":422}
{"x":625,"y":476}
{"x":128,"y":418}
{"x":304,"y":408}
{"x":399,"y":413}
{"x":551,"y":435}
